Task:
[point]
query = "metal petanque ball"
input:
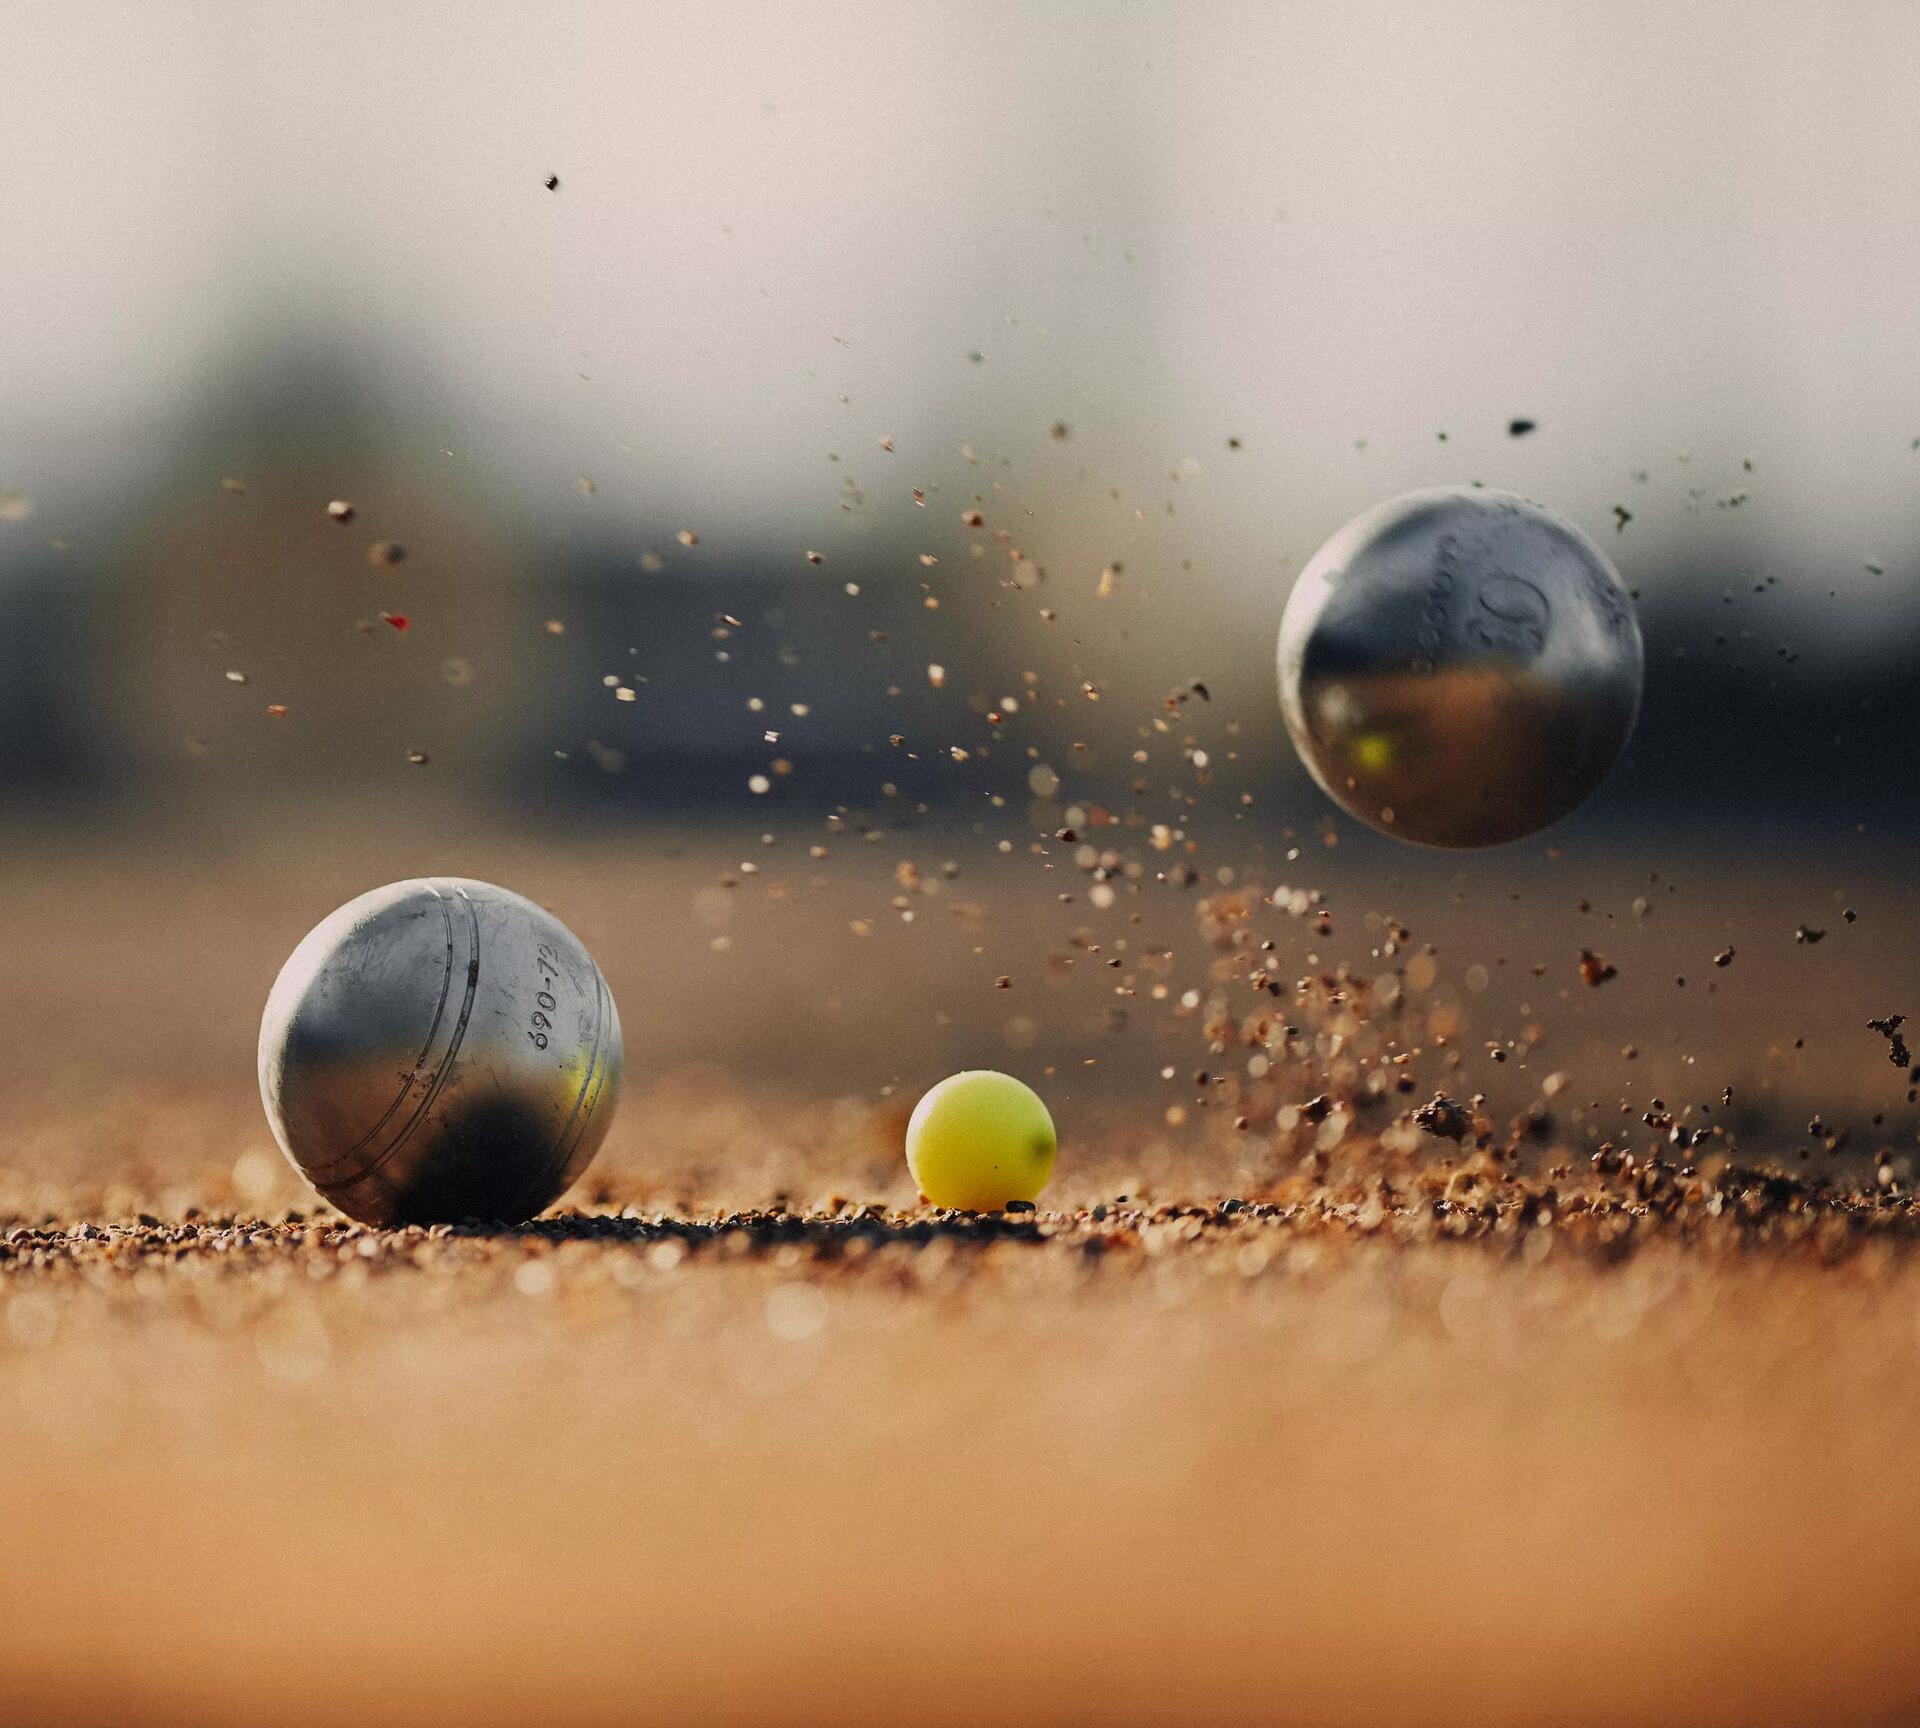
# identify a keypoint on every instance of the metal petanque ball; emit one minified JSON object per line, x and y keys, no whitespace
{"x":1459,"y":667}
{"x":437,"y":1050}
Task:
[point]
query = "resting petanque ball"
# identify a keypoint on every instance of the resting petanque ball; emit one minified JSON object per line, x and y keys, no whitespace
{"x":1459,"y":667}
{"x":437,"y":1050}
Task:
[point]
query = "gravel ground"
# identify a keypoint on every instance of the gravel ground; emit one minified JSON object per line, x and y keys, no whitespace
{"x":1442,"y":1442}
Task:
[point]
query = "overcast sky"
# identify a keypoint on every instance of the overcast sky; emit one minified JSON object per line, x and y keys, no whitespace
{"x":1331,"y":231}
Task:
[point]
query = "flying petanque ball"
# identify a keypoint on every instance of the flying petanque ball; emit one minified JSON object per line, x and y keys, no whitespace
{"x":438,"y":1050}
{"x":979,"y":1140}
{"x":1459,"y":667}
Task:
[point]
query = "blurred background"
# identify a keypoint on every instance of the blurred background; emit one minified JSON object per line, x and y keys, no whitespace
{"x":859,"y":427}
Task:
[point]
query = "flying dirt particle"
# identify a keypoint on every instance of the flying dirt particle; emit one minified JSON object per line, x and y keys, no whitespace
{"x":1441,"y":1116}
{"x":1595,"y":971}
{"x":1889,"y":1028}
{"x":384,"y":554}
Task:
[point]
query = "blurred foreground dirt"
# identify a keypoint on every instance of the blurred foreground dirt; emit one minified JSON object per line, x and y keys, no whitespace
{"x":1225,"y":1466}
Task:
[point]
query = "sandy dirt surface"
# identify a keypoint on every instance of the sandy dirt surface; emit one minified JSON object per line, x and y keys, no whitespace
{"x":1344,"y":1420}
{"x":1306,"y":1461}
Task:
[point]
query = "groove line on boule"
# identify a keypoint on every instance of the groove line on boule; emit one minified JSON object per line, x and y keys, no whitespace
{"x":433,"y":1031}
{"x":445,"y":1069}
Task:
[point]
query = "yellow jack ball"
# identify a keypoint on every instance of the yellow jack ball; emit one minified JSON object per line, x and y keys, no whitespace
{"x":980,"y":1139}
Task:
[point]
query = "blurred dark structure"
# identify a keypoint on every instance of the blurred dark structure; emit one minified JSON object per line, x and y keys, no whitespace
{"x":611,"y":669}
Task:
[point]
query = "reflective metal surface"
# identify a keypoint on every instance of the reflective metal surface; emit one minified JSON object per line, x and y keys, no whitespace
{"x":1459,"y":667}
{"x":438,"y":1050}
